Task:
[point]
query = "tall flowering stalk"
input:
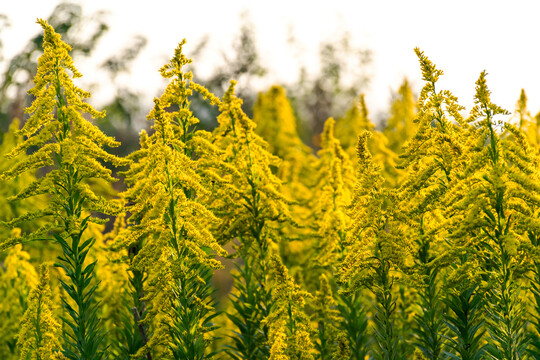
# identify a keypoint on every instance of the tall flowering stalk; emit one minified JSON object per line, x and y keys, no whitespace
{"x":250,"y":206}
{"x":276,"y":124}
{"x":493,"y":205}
{"x":170,"y":226}
{"x":357,"y":120}
{"x":334,"y":187}
{"x":73,"y":147}
{"x":401,"y":127}
{"x":430,"y":158}
{"x":376,"y":250}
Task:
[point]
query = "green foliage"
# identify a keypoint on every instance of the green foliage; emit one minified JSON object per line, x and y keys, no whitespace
{"x":465,"y":322}
{"x":252,"y":304}
{"x":429,"y":323}
{"x":385,"y":328}
{"x":355,"y":325}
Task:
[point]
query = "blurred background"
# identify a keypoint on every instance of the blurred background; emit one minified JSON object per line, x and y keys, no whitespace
{"x":324,"y":54}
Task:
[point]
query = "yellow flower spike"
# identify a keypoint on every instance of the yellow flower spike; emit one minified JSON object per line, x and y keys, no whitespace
{"x":39,"y":331}
{"x":174,"y":66}
{"x":257,"y":191}
{"x":168,"y":187}
{"x":288,"y":309}
{"x":429,"y":72}
{"x":276,"y":124}
{"x":353,"y":123}
{"x":73,"y":146}
{"x":355,"y":120}
{"x":432,"y":160}
{"x":401,"y":127}
{"x":17,"y":278}
{"x":332,"y":194}
{"x":59,"y":131}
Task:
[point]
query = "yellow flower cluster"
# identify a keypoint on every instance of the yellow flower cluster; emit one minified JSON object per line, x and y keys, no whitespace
{"x":167,"y":192}
{"x":290,"y":328}
{"x":38,"y":335}
{"x":332,"y":193}
{"x":17,"y":278}
{"x":62,"y":136}
{"x":251,"y":203}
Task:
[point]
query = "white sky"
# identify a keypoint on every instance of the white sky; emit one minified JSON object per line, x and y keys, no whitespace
{"x":461,"y":37}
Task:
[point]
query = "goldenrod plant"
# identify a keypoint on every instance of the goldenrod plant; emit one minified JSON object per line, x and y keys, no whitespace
{"x":250,"y":211}
{"x":376,"y":251}
{"x":168,"y":215}
{"x":334,"y":185}
{"x":276,"y":123}
{"x":430,"y":159}
{"x":355,"y":120}
{"x":73,"y":147}
{"x":342,"y":321}
{"x":525,"y":121}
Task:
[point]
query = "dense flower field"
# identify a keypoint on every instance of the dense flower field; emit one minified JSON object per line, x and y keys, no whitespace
{"x":421,"y":241}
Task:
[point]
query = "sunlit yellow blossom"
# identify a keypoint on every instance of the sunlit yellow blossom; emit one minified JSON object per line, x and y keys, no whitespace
{"x":332,"y":193}
{"x":355,"y":122}
{"x":252,"y":197}
{"x":17,"y":278}
{"x":63,"y":137}
{"x":401,"y":127}
{"x":39,"y":333}
{"x":169,"y":223}
{"x":289,"y":326}
{"x":277,"y":124}
{"x":275,"y":121}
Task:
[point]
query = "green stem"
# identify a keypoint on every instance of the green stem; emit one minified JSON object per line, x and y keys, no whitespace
{"x":385,"y":336}
{"x":355,"y":324}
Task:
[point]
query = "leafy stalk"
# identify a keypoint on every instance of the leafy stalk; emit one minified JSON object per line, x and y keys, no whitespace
{"x":355,"y":324}
{"x":248,"y":302}
{"x":534,"y":337}
{"x":385,"y":336}
{"x":466,"y":324}
{"x":84,"y":339}
{"x":429,"y":323}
